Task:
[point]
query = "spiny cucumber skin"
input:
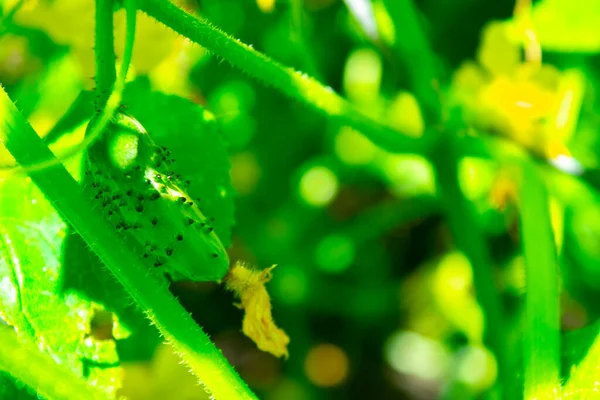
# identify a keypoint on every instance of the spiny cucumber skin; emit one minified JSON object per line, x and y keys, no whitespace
{"x":147,"y":203}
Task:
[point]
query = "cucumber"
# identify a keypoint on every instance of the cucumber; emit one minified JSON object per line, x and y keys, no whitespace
{"x":131,"y":182}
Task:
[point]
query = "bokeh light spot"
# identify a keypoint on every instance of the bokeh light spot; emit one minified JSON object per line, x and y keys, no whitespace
{"x":288,"y":389}
{"x":353,"y":148}
{"x":404,"y":114}
{"x":413,"y":354}
{"x":208,"y":116}
{"x":245,"y":172}
{"x":476,"y":177}
{"x":362,"y":75}
{"x":477,"y":367}
{"x":454,"y":273}
{"x":335,"y":253}
{"x":318,"y":186}
{"x":266,"y":6}
{"x":514,"y":275}
{"x":452,"y":289}
{"x":408,"y":174}
{"x":289,"y":285}
{"x":326,"y":365}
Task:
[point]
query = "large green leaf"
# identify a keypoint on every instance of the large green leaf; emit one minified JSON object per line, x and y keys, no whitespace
{"x":31,"y":235}
{"x":85,"y":274}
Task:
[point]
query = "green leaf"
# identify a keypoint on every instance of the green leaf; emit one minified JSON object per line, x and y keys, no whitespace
{"x":31,"y":235}
{"x":191,"y":134}
{"x":84,"y":273}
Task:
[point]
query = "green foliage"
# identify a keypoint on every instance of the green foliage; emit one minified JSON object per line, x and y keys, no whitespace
{"x":149,"y":292}
{"x":209,"y":187}
{"x":32,"y":235}
{"x":294,"y":84}
{"x":457,"y":202}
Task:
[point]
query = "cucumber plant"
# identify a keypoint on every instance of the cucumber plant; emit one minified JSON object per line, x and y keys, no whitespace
{"x":155,"y":202}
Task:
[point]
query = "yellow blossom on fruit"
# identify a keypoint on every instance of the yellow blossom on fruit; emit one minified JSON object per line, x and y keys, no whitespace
{"x":249,"y":286}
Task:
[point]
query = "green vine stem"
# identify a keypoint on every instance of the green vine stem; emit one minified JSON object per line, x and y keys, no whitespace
{"x":470,"y":239}
{"x":38,"y":371}
{"x":292,"y":83}
{"x":104,"y":49}
{"x":194,"y":346}
{"x":541,"y":330}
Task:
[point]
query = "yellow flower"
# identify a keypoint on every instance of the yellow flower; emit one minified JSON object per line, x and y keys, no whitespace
{"x":535,"y":105}
{"x":249,"y":286}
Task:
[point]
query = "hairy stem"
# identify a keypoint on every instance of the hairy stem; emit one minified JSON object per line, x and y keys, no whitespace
{"x":38,"y":371}
{"x":292,"y":83}
{"x":173,"y":321}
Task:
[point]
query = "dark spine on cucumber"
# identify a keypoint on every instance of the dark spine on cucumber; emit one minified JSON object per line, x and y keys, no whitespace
{"x":132,"y":183}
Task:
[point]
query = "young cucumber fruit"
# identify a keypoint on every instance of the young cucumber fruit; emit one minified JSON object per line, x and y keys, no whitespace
{"x":132,"y":182}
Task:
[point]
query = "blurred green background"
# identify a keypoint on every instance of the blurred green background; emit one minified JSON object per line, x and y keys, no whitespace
{"x":376,"y":300}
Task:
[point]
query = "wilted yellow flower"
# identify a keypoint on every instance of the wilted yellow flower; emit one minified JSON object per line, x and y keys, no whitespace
{"x":249,"y":286}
